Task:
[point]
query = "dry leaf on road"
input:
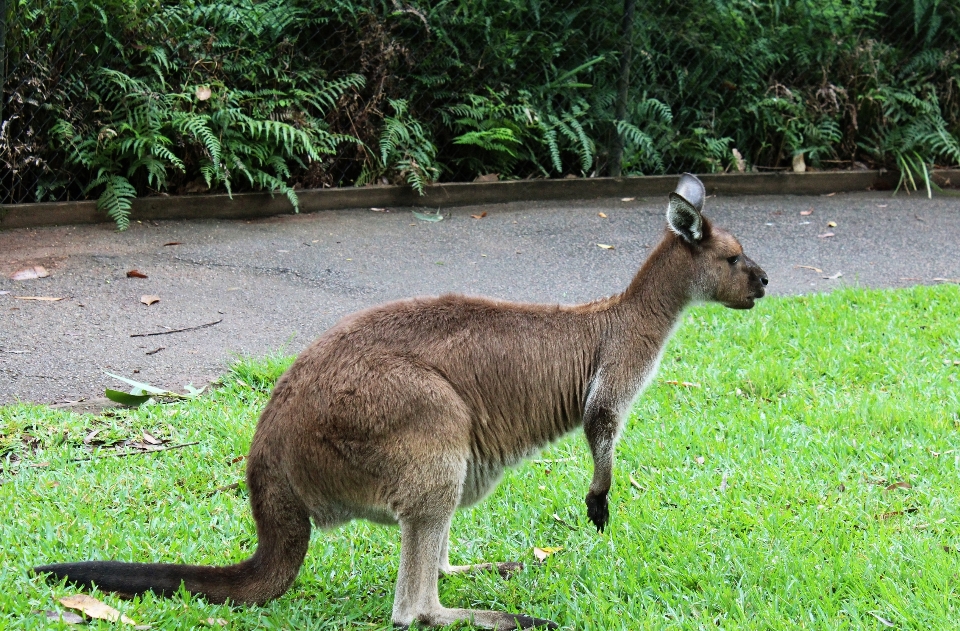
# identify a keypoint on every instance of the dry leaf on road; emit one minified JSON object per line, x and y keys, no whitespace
{"x":605,"y":246}
{"x":135,"y":273}
{"x":149,"y":299}
{"x":41,"y":298}
{"x":95,"y":609}
{"x":816,"y":269}
{"x":480,"y":216}
{"x":833,"y":276}
{"x":806,"y":213}
{"x":826,"y":235}
{"x":29,"y":273}
{"x":602,"y":215}
{"x":627,"y":199}
{"x":831,"y":224}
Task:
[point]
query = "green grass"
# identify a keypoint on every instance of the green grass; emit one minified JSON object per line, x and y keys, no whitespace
{"x":763,"y":500}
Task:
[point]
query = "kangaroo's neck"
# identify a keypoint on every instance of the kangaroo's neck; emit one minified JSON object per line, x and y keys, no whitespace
{"x":661,"y":290}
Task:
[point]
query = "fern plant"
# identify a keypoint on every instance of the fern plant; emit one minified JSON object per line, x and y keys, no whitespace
{"x":405,"y":152}
{"x":914,"y":136}
{"x":138,"y":140}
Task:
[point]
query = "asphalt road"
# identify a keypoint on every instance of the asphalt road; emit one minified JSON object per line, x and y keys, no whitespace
{"x":276,"y":284}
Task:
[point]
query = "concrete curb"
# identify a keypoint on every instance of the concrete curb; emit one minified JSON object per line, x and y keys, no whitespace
{"x":252,"y":205}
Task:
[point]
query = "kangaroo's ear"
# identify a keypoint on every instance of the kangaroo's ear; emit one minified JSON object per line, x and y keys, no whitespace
{"x":691,"y":189}
{"x":683,"y":214}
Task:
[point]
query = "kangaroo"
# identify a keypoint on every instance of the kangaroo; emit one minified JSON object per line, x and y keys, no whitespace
{"x":404,"y":412}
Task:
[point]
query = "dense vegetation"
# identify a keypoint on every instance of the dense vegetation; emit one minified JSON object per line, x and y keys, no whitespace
{"x":119,"y":98}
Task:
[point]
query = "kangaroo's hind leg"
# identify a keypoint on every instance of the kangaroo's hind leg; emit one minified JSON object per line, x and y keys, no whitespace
{"x":424,"y":525}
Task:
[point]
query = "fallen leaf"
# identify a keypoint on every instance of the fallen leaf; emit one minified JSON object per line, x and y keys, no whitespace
{"x":833,"y":276}
{"x":42,"y":298}
{"x":172,"y":243}
{"x":29,"y":273}
{"x":829,"y":195}
{"x":135,"y":273}
{"x":376,"y":210}
{"x":203,"y":92}
{"x":806,"y":213}
{"x":543,"y":553}
{"x":489,"y":177}
{"x":95,"y":609}
{"x":605,"y":246}
{"x":685,"y":384}
{"x":799,"y":166}
{"x":897,"y":513}
{"x":67,"y":617}
{"x":636,"y":484}
{"x":947,"y":280}
{"x":480,"y":216}
{"x":883,"y":621}
{"x":826,"y":235}
{"x":831,"y":224}
{"x":150,"y":438}
{"x":4,"y":293}
{"x":149,"y":299}
{"x":816,"y":269}
{"x":903,"y":484}
{"x":881,"y":205}
{"x":89,"y":437}
{"x":603,"y":215}
{"x":428,"y":216}
{"x":125,"y":398}
{"x":627,"y":199}
{"x":214,"y":622}
{"x":155,"y":351}
{"x":700,"y":459}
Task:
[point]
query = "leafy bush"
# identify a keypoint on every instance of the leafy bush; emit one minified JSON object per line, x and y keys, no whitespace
{"x":117,"y":98}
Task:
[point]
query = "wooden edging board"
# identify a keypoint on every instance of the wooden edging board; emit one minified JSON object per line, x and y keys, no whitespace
{"x":251,"y":205}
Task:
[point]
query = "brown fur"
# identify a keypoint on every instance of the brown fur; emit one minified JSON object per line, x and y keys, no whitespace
{"x":405,"y":411}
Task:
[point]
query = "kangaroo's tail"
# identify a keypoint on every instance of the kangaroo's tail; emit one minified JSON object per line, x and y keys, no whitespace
{"x":283,"y":535}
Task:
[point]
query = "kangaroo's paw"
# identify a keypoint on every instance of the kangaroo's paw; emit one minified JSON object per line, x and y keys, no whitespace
{"x":597,"y":510}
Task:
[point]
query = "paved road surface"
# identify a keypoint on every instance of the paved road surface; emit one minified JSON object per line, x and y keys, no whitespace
{"x":277,"y":283}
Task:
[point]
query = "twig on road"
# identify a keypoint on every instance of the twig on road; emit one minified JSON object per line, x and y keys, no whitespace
{"x":190,"y":328}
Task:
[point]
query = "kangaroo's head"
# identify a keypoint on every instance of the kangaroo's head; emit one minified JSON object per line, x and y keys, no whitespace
{"x":722,"y":272}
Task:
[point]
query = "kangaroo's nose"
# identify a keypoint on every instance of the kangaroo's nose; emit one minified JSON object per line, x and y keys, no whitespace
{"x":763,"y":279}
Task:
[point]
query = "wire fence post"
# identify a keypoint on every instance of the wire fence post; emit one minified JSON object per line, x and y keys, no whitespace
{"x":626,"y":57}
{"x":3,"y":57}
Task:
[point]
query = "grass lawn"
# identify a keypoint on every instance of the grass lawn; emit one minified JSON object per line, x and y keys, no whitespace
{"x":809,"y":478}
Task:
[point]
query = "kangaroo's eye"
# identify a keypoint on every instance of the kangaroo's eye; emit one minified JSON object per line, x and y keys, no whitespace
{"x":733,"y":260}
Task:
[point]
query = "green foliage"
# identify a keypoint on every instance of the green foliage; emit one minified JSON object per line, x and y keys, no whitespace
{"x":301,"y":90}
